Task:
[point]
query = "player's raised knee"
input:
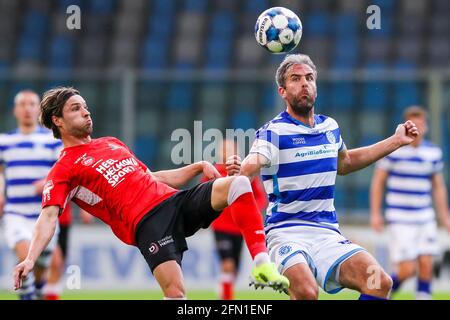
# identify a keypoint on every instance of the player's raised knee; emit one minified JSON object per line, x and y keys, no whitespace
{"x":239,"y":185}
{"x":385,"y":282}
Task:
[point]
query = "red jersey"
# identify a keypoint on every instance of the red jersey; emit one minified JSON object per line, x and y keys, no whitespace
{"x":105,"y":178}
{"x":225,"y":222}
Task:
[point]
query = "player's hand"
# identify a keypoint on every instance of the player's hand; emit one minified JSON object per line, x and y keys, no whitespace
{"x":233,"y":165}
{"x":406,"y":132}
{"x":209,"y":171}
{"x":21,"y":271}
{"x":377,"y":222}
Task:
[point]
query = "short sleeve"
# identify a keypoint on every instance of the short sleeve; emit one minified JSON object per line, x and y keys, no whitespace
{"x":57,"y":187}
{"x":438,"y":164}
{"x":266,"y":144}
{"x":341,"y":144}
{"x":385,"y":163}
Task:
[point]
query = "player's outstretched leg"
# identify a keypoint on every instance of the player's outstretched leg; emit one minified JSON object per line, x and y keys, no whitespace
{"x":236,"y":192}
{"x":362,"y":272}
{"x":170,"y":279}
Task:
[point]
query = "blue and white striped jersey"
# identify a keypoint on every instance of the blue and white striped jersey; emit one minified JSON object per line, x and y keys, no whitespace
{"x":409,"y":182}
{"x":300,"y":176}
{"x":26,"y":158}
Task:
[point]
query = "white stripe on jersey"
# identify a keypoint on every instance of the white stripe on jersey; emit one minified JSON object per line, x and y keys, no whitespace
{"x":24,"y":208}
{"x":398,"y":215}
{"x":308,"y":153}
{"x":32,"y":172}
{"x":405,"y":167}
{"x":37,"y":138}
{"x":26,"y":190}
{"x":45,"y":154}
{"x":314,"y":180}
{"x":426,"y":151}
{"x":409,"y":184}
{"x":408,"y":200}
{"x":307,"y":206}
{"x":283,"y":128}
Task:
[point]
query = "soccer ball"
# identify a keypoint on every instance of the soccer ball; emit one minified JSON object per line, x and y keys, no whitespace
{"x":278,"y":30}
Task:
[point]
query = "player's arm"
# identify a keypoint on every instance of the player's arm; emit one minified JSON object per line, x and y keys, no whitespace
{"x":252,"y":164}
{"x":441,"y":199}
{"x":263,"y":153}
{"x":357,"y":159}
{"x":43,"y":232}
{"x":179,"y":177}
{"x":376,"y":198}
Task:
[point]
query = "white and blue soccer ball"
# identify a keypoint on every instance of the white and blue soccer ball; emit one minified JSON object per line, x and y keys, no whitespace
{"x":278,"y":30}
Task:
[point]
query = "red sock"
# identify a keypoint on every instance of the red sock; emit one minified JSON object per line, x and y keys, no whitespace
{"x":227,"y":291}
{"x":51,"y":296}
{"x":246,"y":216}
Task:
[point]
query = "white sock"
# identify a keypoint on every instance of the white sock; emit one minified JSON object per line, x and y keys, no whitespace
{"x":166,"y":298}
{"x":53,"y":288}
{"x":261,"y":258}
{"x":227,"y":277}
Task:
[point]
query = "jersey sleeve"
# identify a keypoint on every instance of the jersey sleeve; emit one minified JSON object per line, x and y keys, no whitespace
{"x":266,"y":144}
{"x":341,"y":143}
{"x":438,"y":164}
{"x":384,"y":163}
{"x":57,"y":187}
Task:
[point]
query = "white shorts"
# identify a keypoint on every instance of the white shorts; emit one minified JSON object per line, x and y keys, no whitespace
{"x":322,"y":249}
{"x":18,"y":228}
{"x":409,"y":241}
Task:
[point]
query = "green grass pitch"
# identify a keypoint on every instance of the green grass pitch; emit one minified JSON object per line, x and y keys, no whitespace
{"x":210,"y":295}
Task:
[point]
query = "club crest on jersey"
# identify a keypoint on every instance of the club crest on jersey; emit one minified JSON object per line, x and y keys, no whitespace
{"x":47,"y":188}
{"x":330,"y":136}
{"x":88,"y":161}
{"x":284,"y":250}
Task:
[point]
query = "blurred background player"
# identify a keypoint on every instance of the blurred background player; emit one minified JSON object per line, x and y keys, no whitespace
{"x":226,"y":233}
{"x":26,"y":156}
{"x":412,"y":176}
{"x":54,"y":287}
